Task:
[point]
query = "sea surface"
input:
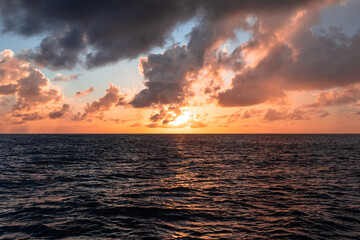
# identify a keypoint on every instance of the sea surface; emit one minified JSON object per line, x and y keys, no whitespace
{"x":179,"y":186}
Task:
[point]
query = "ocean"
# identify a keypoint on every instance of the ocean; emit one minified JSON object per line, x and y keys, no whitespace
{"x":179,"y":186}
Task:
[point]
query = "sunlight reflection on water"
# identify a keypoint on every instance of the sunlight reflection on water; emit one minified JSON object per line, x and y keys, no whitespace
{"x":180,"y":186}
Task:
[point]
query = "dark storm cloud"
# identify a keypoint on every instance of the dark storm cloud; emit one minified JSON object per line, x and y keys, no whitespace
{"x":113,"y":29}
{"x":59,"y":51}
{"x":107,"y":31}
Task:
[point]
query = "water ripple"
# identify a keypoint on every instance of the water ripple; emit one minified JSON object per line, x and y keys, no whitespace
{"x":180,"y":186}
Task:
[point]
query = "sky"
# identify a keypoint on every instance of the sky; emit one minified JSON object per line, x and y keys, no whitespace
{"x":189,"y":66}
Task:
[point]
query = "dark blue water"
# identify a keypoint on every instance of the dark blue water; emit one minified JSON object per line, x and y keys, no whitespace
{"x":180,"y":186}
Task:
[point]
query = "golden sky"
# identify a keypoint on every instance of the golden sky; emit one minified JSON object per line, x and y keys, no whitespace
{"x":195,"y":67}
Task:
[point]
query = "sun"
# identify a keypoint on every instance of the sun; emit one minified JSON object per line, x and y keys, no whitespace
{"x":182,"y":119}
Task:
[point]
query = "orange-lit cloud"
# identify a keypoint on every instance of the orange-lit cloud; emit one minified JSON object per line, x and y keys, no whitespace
{"x":84,"y":93}
{"x":286,"y":75}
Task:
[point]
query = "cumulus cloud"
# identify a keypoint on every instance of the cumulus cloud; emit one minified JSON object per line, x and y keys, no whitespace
{"x":113,"y":97}
{"x":290,"y":56}
{"x":11,"y":68}
{"x":33,"y":90}
{"x":29,"y":85}
{"x":169,"y":76}
{"x":29,"y":88}
{"x":166,"y":77}
{"x":8,"y":89}
{"x":84,"y":93}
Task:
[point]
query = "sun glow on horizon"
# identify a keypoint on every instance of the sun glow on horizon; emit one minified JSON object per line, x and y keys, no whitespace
{"x":183,"y":119}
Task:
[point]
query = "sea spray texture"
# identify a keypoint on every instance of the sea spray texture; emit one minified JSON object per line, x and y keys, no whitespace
{"x":180,"y":186}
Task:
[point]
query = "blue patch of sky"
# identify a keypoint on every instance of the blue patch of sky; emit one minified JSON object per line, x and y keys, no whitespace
{"x":18,"y":43}
{"x":344,"y":16}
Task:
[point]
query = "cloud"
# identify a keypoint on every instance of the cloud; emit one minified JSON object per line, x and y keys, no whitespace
{"x":197,"y":124}
{"x":273,"y":115}
{"x":117,"y":120}
{"x":169,"y":75}
{"x":112,"y":97}
{"x":251,"y":113}
{"x":74,"y":76}
{"x":4,"y":102}
{"x":152,"y":125}
{"x":29,"y":85}
{"x":84,"y":93}
{"x":276,"y":115}
{"x":284,"y":54}
{"x":62,"y":78}
{"x":166,"y":77}
{"x":234,"y":117}
{"x":11,"y":68}
{"x":33,"y":90}
{"x":176,"y":117}
{"x":289,"y":56}
{"x":28,"y":117}
{"x":337,"y":97}
{"x":59,"y":51}
{"x":107,"y":31}
{"x":8,"y":89}
{"x":58,"y":114}
{"x":30,"y":90}
{"x":166,"y":115}
{"x":324,"y":114}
